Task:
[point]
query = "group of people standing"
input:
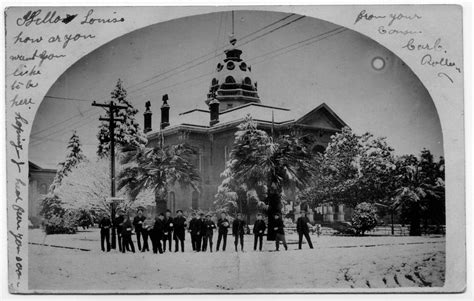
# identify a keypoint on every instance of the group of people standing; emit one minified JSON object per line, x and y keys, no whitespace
{"x":164,"y":228}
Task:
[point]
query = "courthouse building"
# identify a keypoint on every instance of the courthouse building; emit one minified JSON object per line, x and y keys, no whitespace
{"x":232,"y":95}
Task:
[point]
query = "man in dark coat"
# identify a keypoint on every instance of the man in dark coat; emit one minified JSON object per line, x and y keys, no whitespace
{"x":238,"y":230}
{"x":279,"y":228}
{"x":303,"y":229}
{"x":127,"y":235}
{"x":119,"y":226}
{"x":138,"y":225}
{"x":193,"y":230}
{"x":223,"y":226}
{"x":199,"y":231}
{"x":157,"y":233}
{"x":208,"y":231}
{"x":168,"y":231}
{"x":104,"y":226}
{"x":258,"y":232}
{"x":147,"y":228}
{"x":179,"y":230}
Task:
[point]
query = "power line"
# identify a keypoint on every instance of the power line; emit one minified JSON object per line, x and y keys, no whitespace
{"x":66,"y":98}
{"x":63,"y":121}
{"x":63,"y":130}
{"x":322,"y":36}
{"x":207,"y":54}
{"x":304,"y":43}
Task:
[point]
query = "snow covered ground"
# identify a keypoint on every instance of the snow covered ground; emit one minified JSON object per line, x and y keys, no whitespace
{"x":335,"y":262}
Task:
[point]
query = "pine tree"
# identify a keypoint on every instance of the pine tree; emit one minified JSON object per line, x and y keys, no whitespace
{"x":74,"y":156}
{"x":127,"y":132}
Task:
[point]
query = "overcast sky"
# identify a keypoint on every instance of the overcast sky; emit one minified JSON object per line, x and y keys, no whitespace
{"x":337,"y":70}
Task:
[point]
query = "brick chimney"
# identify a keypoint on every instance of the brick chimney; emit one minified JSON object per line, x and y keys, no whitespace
{"x":214,"y":108}
{"x":147,"y":118}
{"x":165,"y":113}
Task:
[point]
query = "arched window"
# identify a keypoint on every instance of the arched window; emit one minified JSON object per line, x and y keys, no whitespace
{"x":230,"y":80}
{"x":318,"y":149}
{"x":43,"y":189}
{"x":219,"y":67}
{"x":172,"y":202}
{"x":243,"y":66}
{"x":214,"y":82}
{"x":230,"y":65}
{"x":248,"y":81}
{"x":195,"y":200}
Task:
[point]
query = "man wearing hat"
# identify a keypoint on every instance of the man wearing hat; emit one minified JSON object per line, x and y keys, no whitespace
{"x":258,"y":231}
{"x":223,"y":226}
{"x":157,"y":233}
{"x":179,"y":230}
{"x":208,"y":231}
{"x":194,"y":228}
{"x":127,"y":235}
{"x":238,"y":230}
{"x":119,"y":226}
{"x":279,"y":228}
{"x":104,"y":226}
{"x":302,"y":228}
{"x":168,"y":234}
{"x":200,"y":231}
{"x":138,"y":225}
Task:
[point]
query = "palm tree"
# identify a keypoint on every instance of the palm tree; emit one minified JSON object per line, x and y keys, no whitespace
{"x":420,"y":186}
{"x":260,"y":160}
{"x":158,"y":169}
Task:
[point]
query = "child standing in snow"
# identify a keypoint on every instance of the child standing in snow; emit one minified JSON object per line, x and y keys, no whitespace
{"x":280,"y":232}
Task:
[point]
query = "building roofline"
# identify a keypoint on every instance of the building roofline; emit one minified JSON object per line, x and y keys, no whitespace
{"x":253,"y":104}
{"x":194,"y":110}
{"x":325,"y":106}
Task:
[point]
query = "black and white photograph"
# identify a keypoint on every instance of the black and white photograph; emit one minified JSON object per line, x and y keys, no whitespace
{"x":234,"y":150}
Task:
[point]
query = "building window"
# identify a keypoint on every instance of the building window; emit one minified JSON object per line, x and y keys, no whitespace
{"x":243,"y":66}
{"x":195,"y":200}
{"x":230,"y":80}
{"x":43,"y":189}
{"x":172,"y":202}
{"x":214,"y":82}
{"x":318,"y":149}
{"x":248,"y":81}
{"x":230,"y":65}
{"x":219,"y":67}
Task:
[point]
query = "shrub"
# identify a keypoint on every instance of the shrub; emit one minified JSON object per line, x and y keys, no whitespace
{"x":364,"y":218}
{"x":65,"y":224}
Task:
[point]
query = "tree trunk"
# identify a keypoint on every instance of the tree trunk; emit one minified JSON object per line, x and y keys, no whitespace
{"x":415,"y":221}
{"x":274,"y":206}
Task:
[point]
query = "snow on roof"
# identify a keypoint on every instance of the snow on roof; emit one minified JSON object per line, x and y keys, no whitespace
{"x":258,"y":112}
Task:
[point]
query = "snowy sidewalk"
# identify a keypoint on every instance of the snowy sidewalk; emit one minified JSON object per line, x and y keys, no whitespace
{"x":347,"y":262}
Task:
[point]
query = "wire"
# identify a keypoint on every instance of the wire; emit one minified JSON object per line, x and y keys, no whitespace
{"x":329,"y":33}
{"x":304,"y":43}
{"x":66,"y":98}
{"x":195,"y":59}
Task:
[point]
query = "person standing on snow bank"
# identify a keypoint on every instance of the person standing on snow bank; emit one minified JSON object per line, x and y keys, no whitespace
{"x":104,"y":226}
{"x":179,"y":232}
{"x":127,"y":235}
{"x":193,"y":230}
{"x":138,"y":225}
{"x":238,"y":230}
{"x":157,"y":233}
{"x":302,"y":228}
{"x":279,"y":228}
{"x":208,"y":231}
{"x":223,"y":225}
{"x":258,"y":231}
{"x":168,"y":231}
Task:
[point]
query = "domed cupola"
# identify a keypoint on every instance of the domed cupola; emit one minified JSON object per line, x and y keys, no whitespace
{"x":233,"y":85}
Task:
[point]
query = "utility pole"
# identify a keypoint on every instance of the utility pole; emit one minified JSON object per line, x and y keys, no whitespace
{"x":112,"y":109}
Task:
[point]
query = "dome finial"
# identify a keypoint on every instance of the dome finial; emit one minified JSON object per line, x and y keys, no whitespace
{"x":232,"y":39}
